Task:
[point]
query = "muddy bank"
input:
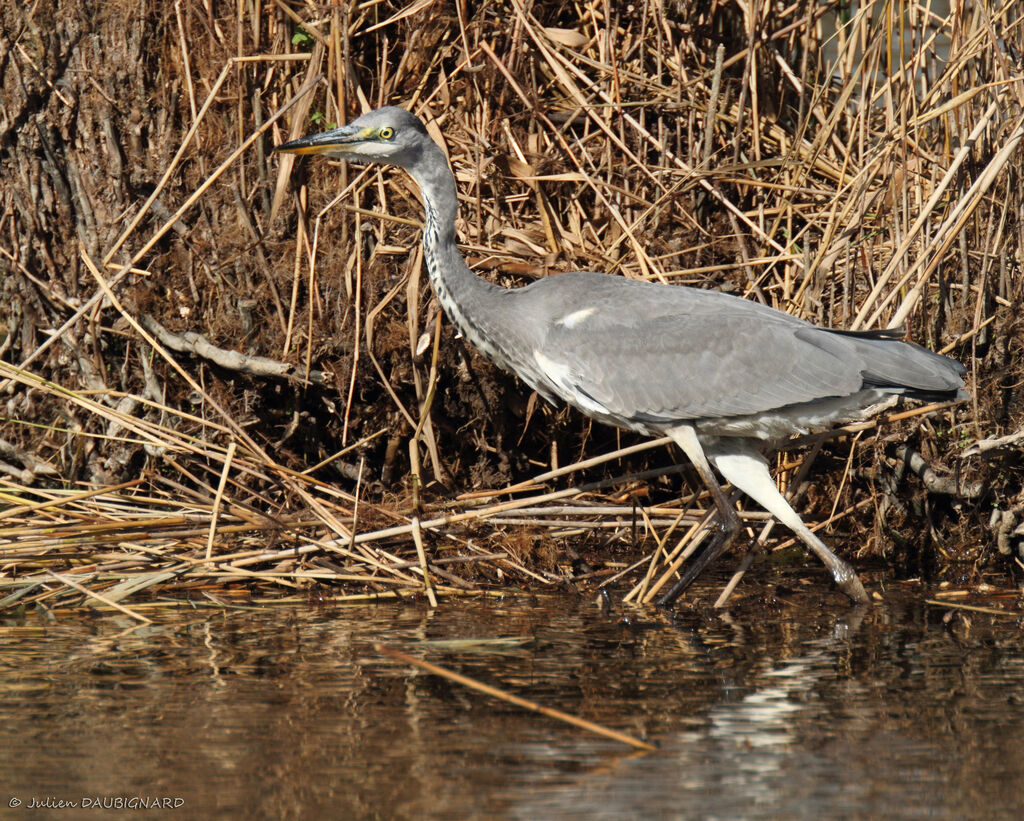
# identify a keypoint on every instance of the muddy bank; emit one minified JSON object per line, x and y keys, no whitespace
{"x":149,"y":238}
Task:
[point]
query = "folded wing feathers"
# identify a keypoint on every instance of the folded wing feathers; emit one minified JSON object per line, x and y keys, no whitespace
{"x":737,"y":363}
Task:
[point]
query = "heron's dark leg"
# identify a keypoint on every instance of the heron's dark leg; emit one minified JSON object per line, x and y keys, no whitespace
{"x":748,"y":471}
{"x":728,"y":521}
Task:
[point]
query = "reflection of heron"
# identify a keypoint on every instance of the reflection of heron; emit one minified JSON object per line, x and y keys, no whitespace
{"x":718,"y":374}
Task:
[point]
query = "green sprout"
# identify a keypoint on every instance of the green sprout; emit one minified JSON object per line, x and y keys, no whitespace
{"x":318,"y":119}
{"x":302,"y":38}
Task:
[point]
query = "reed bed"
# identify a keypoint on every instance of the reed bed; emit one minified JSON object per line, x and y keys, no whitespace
{"x":225,"y":378}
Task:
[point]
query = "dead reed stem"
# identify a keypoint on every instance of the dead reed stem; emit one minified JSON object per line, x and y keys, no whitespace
{"x":860,"y":172}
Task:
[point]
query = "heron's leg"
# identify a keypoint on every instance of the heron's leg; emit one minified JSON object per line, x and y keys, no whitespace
{"x":728,"y":522}
{"x":748,"y":471}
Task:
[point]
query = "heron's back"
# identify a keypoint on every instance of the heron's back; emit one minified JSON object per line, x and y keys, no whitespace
{"x":648,"y":356}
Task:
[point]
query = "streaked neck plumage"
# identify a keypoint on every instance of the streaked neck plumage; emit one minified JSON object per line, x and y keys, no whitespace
{"x":472,"y":304}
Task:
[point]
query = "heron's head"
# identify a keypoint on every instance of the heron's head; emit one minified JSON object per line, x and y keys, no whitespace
{"x":389,"y":135}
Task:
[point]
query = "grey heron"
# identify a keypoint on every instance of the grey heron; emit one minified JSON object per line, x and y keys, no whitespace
{"x":724,"y":377}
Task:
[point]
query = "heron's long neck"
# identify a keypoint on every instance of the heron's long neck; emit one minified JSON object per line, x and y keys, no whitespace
{"x":471,"y":303}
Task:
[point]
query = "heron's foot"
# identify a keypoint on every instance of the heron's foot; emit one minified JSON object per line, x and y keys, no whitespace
{"x":723,"y":538}
{"x":849,"y":582}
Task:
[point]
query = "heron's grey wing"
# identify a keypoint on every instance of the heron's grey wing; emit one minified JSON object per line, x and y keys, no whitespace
{"x":689,"y":361}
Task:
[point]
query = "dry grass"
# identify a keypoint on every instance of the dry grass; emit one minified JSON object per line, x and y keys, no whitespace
{"x":862,"y":175}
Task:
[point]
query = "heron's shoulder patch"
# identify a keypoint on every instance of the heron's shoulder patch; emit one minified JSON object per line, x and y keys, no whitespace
{"x":576,"y":318}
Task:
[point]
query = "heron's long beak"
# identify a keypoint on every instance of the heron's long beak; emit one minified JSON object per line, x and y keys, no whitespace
{"x":338,"y":141}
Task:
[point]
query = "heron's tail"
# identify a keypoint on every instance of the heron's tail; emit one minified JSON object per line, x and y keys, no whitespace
{"x":888,"y":362}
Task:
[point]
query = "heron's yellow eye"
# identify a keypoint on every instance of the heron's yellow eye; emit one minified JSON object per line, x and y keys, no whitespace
{"x":386,"y":133}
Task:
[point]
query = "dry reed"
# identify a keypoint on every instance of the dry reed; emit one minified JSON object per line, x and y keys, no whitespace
{"x":860,"y":172}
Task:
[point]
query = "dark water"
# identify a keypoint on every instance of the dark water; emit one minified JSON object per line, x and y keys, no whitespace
{"x":784,"y":712}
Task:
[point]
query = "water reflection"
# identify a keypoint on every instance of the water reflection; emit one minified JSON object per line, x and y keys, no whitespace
{"x":787,"y":711}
